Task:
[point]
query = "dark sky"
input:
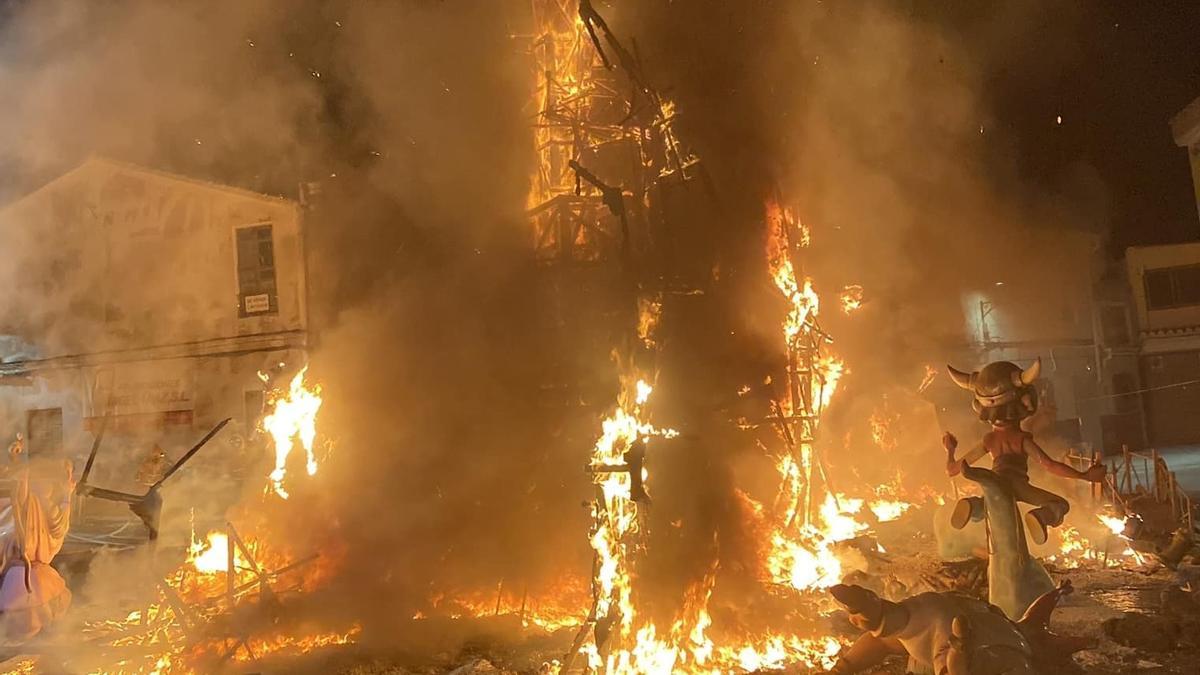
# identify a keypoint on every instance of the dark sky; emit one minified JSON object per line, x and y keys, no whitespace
{"x":1116,"y":72}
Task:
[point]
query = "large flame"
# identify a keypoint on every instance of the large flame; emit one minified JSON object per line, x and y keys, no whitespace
{"x":162,"y":636}
{"x":293,"y":417}
{"x":802,"y":554}
{"x":211,"y":555}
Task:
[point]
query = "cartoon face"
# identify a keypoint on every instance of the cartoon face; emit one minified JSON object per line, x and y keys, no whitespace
{"x":1003,"y":390}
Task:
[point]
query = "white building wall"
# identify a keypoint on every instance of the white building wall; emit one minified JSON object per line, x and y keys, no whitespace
{"x":1141,"y":259}
{"x":111,"y":257}
{"x":124,"y":297}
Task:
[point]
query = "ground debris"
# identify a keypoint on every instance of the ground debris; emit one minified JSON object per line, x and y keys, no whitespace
{"x":963,"y":576}
{"x":1179,"y":602}
{"x":1143,"y":631}
{"x":479,"y":667}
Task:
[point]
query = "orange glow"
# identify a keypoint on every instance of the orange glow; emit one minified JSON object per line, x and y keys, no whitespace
{"x":293,"y":417}
{"x":852,"y":298}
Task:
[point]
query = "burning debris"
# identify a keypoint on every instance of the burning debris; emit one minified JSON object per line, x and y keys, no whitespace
{"x":222,"y":603}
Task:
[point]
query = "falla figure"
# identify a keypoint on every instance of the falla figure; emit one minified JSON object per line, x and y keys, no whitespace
{"x":1004,"y":395}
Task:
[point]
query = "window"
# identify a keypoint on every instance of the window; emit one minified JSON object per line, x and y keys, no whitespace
{"x":252,"y":406}
{"x":256,"y":271}
{"x":45,"y":431}
{"x":1169,"y":287}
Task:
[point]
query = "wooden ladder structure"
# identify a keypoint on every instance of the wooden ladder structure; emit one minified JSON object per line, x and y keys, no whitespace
{"x":1136,"y":475}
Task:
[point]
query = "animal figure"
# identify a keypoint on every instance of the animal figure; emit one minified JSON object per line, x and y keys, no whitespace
{"x":948,"y":633}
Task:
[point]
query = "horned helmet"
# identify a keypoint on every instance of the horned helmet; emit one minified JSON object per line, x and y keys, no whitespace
{"x":1004,"y":392}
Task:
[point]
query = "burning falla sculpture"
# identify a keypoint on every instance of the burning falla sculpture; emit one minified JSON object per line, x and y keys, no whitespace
{"x":33,"y":526}
{"x":949,"y":633}
{"x":1003,"y":396}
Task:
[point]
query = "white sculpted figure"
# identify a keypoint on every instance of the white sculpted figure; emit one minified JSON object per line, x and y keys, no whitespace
{"x":34,"y":518}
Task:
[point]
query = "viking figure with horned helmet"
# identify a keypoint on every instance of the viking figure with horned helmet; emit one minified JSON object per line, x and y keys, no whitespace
{"x":1005,"y":395}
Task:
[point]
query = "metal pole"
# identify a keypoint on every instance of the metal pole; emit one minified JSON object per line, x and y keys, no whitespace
{"x":1158,"y":478}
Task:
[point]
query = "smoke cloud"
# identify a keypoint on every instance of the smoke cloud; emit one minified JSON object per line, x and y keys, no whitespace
{"x":450,"y":470}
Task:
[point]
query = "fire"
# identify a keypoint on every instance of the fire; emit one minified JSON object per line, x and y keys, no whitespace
{"x":807,"y":561}
{"x":881,"y":421}
{"x":807,"y":521}
{"x":777,"y":652}
{"x":852,"y":298}
{"x":1116,"y":525}
{"x":212,"y":555}
{"x":162,"y":635}
{"x":930,"y":375}
{"x":285,"y":645}
{"x":293,"y":417}
{"x":804,"y":303}
{"x":23,"y":667}
{"x":635,"y":644}
{"x":649,"y":313}
{"x":830,"y":370}
{"x":801,"y":546}
{"x":886,"y":510}
{"x":618,"y":432}
{"x":1077,"y":549}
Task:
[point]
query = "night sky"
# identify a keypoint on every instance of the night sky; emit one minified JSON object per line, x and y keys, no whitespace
{"x":1116,"y":72}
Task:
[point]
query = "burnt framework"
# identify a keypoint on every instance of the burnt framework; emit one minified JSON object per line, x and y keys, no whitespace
{"x":207,"y":620}
{"x":797,"y":413}
{"x":610,"y":169}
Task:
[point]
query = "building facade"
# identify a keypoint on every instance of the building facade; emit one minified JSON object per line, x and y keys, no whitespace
{"x":1165,"y":282}
{"x":148,"y":298}
{"x":1064,"y":306}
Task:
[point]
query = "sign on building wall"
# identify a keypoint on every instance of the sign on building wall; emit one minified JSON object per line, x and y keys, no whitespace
{"x":257,"y":304}
{"x":145,"y":394}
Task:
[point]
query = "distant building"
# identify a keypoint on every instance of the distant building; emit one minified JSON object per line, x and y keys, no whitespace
{"x":1165,"y":281}
{"x":152,"y":298}
{"x":1061,"y":304}
{"x":1165,"y":285}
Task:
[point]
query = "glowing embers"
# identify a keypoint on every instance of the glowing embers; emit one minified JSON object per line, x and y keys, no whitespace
{"x":852,"y":298}
{"x":777,"y":652}
{"x":1086,"y":544}
{"x":285,"y":644}
{"x":931,"y":374}
{"x":293,"y":417}
{"x":175,"y":630}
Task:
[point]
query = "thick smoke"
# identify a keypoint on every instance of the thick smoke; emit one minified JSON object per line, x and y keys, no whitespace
{"x":881,"y":124}
{"x":449,"y":472}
